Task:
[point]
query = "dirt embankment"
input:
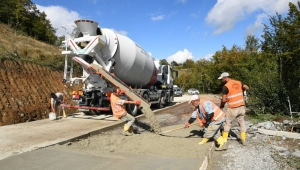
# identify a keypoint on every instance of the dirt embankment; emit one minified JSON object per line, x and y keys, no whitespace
{"x":25,"y":89}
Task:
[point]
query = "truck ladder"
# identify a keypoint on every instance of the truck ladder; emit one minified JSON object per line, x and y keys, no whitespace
{"x":144,"y":106}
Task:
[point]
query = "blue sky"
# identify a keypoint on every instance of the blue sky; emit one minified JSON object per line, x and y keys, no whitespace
{"x":174,"y":30}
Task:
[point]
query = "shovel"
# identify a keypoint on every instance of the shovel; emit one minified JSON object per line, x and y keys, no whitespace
{"x":177,"y":128}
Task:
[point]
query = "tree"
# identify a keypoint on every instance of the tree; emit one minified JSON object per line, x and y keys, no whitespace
{"x":252,"y":44}
{"x":282,"y":41}
{"x":188,"y":63}
{"x":174,"y":63}
{"x":163,"y":62}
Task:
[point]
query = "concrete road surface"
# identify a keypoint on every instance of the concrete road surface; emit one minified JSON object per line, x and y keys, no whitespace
{"x":22,"y":146}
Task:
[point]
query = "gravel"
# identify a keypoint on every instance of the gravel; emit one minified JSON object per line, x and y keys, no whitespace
{"x":261,"y":152}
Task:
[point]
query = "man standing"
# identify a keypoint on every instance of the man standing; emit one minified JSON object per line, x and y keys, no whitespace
{"x":232,"y":94}
{"x":119,"y":111}
{"x":56,"y":100}
{"x":210,"y":117}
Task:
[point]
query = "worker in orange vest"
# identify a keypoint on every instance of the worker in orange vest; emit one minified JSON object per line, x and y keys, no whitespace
{"x":119,"y":111}
{"x":233,"y":96}
{"x":210,"y":117}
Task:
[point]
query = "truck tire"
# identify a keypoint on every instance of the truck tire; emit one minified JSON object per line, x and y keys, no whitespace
{"x":160,"y":102}
{"x":146,"y":97}
{"x":170,"y":102}
{"x":132,"y":109}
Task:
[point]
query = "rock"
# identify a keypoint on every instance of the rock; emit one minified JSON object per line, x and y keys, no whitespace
{"x":268,"y":125}
{"x":285,"y":153}
{"x":276,"y":123}
{"x":296,"y":153}
{"x":279,"y":149}
{"x":283,"y":137}
{"x":285,"y":122}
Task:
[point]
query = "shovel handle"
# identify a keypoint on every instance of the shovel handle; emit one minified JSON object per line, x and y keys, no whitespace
{"x":176,"y":128}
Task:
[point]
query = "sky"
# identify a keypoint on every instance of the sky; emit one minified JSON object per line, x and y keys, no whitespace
{"x":174,"y":30}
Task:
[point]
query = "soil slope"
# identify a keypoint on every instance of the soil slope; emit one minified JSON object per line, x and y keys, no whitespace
{"x":25,"y":89}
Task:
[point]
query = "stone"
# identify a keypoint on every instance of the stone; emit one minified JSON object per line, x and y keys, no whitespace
{"x":296,"y":153}
{"x":285,"y":122}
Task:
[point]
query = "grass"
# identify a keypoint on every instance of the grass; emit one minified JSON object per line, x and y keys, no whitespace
{"x":258,"y":118}
{"x":15,"y":45}
{"x":287,"y":161}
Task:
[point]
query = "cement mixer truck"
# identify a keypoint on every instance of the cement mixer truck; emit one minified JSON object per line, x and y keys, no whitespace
{"x":119,"y":56}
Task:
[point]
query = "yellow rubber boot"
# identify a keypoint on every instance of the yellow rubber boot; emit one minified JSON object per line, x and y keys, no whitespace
{"x":225,"y":136}
{"x":204,"y":140}
{"x":126,"y":130}
{"x":126,"y":127}
{"x":64,"y":114}
{"x":130,"y":130}
{"x":222,"y":144}
{"x":243,"y":138}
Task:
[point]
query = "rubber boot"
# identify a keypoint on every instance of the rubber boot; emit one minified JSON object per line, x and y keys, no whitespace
{"x":225,"y":136}
{"x":64,"y":112}
{"x":204,"y":140}
{"x":243,"y":138}
{"x":222,"y":144}
{"x":130,"y":130}
{"x":126,"y":128}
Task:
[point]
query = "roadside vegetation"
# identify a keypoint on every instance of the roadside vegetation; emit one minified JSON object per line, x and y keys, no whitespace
{"x":269,"y":65}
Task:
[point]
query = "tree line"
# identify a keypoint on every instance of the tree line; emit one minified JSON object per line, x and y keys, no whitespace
{"x":269,"y":65}
{"x":23,"y":15}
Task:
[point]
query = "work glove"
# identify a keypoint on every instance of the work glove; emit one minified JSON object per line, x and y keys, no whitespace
{"x":138,"y":102}
{"x":63,"y":101}
{"x":187,"y":124}
{"x":53,"y":111}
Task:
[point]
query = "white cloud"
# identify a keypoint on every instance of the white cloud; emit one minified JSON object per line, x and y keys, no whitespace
{"x":59,"y":16}
{"x":120,"y":32}
{"x":252,"y":29}
{"x":159,"y":17}
{"x":226,"y":13}
{"x":180,"y":56}
{"x":208,"y":57}
{"x":182,"y":1}
{"x":94,"y":1}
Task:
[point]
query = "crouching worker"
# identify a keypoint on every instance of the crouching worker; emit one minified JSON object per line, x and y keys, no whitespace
{"x":119,"y":111}
{"x":56,"y":100}
{"x":210,"y":118}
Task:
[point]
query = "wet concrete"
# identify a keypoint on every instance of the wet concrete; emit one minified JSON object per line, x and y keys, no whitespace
{"x":90,"y":153}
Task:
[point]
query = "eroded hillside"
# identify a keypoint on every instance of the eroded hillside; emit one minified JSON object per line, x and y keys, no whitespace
{"x":25,"y":89}
{"x":29,"y":71}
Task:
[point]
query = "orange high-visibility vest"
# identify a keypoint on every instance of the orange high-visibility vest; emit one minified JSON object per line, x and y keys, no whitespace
{"x":218,"y":113}
{"x":118,"y":110}
{"x":235,"y":96}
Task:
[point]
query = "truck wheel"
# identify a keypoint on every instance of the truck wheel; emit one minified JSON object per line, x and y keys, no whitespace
{"x":171,"y":101}
{"x":132,"y":109}
{"x":160,"y":103}
{"x":146,"y":97}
